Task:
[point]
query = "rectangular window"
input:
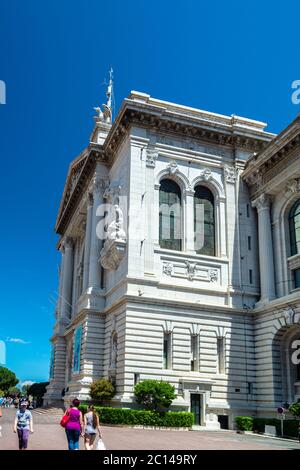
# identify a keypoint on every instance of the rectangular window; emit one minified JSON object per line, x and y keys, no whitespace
{"x":248,"y":211}
{"x":221,"y":355}
{"x":250,"y":388}
{"x":249,"y":244}
{"x":297,"y":278}
{"x":167,"y":360}
{"x":136,"y":378}
{"x":195,"y":352}
{"x":250,"y":276}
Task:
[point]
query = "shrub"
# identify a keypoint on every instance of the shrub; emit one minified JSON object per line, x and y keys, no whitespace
{"x":102,"y":390}
{"x":294,"y":409}
{"x":244,"y":423}
{"x":142,"y":417}
{"x":154,"y":395}
{"x":260,"y":423}
{"x":290,"y":426}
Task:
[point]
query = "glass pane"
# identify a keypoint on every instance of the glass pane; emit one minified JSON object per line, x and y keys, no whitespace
{"x":297,"y":278}
{"x":170,"y":215}
{"x":204,"y":221}
{"x":294,"y":220}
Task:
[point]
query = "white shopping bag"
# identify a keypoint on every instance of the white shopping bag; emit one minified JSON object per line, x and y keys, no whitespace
{"x":100,"y":445}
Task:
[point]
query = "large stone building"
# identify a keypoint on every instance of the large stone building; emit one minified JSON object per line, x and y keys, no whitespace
{"x":151,"y":289}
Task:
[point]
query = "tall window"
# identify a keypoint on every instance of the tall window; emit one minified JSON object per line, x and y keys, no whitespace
{"x":294,"y":221}
{"x":170,"y":230}
{"x":204,"y":221}
{"x":221,"y":355}
{"x":296,"y":275}
{"x":167,"y":350}
{"x":194,"y":352}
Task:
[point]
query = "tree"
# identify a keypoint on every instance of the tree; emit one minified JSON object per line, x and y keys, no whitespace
{"x":8,"y":379}
{"x":102,"y":390}
{"x":25,"y":389}
{"x":38,"y":389}
{"x":294,"y":409}
{"x":154,"y":395}
{"x":13,"y":391}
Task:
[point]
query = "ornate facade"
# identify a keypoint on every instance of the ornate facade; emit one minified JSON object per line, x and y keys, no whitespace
{"x":150,"y":287}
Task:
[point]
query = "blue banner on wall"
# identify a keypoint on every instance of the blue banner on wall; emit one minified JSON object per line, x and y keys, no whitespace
{"x":52,"y":360}
{"x":77,"y":349}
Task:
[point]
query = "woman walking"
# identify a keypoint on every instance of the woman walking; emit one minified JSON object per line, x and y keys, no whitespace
{"x":91,"y":426}
{"x":23,"y":425}
{"x":75,"y":425}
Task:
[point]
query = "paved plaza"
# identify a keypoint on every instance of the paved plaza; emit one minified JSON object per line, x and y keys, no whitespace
{"x":48,"y":435}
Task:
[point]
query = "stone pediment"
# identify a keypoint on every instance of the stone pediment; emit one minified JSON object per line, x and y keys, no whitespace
{"x":264,"y":168}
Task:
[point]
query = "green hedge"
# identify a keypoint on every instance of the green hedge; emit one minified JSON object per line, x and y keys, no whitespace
{"x":142,"y":417}
{"x":260,"y":423}
{"x":246,"y":423}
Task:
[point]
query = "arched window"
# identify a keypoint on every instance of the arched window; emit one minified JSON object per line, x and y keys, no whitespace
{"x":294,"y":221}
{"x":204,"y":221}
{"x":170,"y":226}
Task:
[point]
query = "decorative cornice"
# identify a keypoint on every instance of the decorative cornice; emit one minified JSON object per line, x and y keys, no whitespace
{"x":159,"y":120}
{"x":280,"y":153}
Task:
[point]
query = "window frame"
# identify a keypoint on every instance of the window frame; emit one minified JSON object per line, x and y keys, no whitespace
{"x":213,"y":224}
{"x":177,"y":242}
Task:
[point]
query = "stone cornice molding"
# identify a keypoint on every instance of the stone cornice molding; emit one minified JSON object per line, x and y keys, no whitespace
{"x":281,"y":152}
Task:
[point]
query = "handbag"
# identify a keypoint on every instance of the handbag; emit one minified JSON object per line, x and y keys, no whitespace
{"x":100,"y":445}
{"x":65,"y":419}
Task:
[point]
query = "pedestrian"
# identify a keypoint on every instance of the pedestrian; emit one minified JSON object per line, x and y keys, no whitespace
{"x":75,"y":425}
{"x":91,"y":426}
{"x":23,"y":425}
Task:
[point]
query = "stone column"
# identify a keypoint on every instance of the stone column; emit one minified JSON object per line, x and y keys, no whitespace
{"x":149,"y":215}
{"x":94,"y":265}
{"x":57,"y":381}
{"x":266,"y":260}
{"x":188,"y":200}
{"x":87,"y":242}
{"x":66,"y":297}
{"x":61,"y":275}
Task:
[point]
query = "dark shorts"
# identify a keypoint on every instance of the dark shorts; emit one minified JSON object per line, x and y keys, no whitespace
{"x":90,"y":436}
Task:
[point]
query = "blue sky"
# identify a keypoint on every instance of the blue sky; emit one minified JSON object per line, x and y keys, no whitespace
{"x":227,"y":57}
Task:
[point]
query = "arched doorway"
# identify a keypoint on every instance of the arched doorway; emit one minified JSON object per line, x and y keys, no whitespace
{"x":285,"y":367}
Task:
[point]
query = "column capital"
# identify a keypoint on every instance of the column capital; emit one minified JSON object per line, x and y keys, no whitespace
{"x":67,"y":243}
{"x":98,"y":185}
{"x":263,"y":202}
